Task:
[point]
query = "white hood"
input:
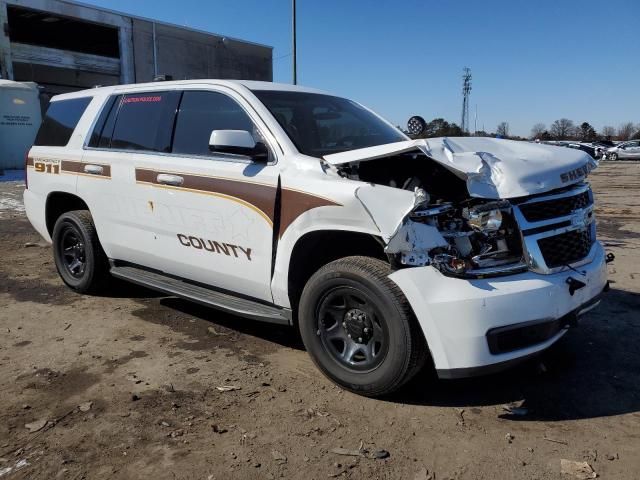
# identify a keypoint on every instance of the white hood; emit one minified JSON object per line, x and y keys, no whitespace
{"x":493,"y":168}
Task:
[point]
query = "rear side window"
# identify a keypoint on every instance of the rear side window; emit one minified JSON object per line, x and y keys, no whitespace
{"x":104,"y":125}
{"x":60,"y":121}
{"x":201,"y":113}
{"x":145,"y":121}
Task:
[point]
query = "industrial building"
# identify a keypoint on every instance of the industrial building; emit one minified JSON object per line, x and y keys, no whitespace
{"x":65,"y":46}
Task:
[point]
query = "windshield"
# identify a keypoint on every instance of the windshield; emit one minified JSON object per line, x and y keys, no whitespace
{"x":322,"y":124}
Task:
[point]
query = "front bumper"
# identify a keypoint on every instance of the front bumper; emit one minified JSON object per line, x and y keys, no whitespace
{"x":457,"y":315}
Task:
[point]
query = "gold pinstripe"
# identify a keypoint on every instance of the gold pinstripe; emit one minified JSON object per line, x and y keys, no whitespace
{"x":214,"y":194}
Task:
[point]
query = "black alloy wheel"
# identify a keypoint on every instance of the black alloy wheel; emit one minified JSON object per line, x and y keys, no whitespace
{"x":352,"y":329}
{"x":72,"y":251}
{"x":359,"y":328}
{"x":79,"y":258}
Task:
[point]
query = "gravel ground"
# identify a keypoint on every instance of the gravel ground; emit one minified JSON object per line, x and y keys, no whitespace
{"x":145,"y":368}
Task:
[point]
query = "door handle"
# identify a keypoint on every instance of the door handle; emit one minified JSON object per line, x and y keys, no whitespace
{"x":167,"y":179}
{"x":93,"y":169}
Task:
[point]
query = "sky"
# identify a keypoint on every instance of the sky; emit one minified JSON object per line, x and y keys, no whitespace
{"x":532,"y":61}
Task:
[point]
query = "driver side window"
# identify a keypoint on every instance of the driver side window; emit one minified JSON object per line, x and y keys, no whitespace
{"x":202,"y":112}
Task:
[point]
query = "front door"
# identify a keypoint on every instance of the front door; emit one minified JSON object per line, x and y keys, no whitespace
{"x":213,"y":213}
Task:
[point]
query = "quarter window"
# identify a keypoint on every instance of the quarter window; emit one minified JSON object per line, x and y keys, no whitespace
{"x":60,"y":121}
{"x":145,"y":121}
{"x":201,"y":113}
{"x":101,"y":136}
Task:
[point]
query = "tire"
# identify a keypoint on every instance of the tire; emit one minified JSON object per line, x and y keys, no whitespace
{"x":79,"y":258}
{"x":613,"y":156}
{"x":354,"y":296}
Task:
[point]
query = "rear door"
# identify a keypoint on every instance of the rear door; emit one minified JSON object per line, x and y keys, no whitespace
{"x":130,"y":131}
{"x":213,"y":212}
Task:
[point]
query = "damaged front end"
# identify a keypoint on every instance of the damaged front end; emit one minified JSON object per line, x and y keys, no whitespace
{"x":466,"y":210}
{"x":471,"y":239}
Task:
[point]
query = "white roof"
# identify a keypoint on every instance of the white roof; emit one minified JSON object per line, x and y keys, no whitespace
{"x":178,"y":84}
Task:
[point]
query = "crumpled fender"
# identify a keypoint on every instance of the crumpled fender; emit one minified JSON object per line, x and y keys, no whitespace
{"x":389,"y":209}
{"x":386,"y":206}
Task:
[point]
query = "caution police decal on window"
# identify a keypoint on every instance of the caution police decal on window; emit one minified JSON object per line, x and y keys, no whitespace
{"x":148,"y":99}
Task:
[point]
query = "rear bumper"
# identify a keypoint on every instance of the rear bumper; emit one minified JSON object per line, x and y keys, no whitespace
{"x":485,"y":325}
{"x":35,"y":207}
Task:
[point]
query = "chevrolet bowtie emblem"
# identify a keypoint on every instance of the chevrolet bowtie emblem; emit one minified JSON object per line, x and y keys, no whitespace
{"x":581,"y":218}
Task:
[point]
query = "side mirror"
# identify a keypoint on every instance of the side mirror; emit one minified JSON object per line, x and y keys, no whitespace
{"x":238,"y":142}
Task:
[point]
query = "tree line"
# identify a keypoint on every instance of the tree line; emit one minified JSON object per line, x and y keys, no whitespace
{"x":561,"y":129}
{"x":565,"y":129}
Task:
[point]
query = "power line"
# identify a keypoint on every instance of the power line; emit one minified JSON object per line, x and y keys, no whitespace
{"x":280,"y":57}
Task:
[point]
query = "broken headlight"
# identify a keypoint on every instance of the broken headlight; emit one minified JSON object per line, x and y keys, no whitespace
{"x":486,"y":217}
{"x":481,"y":238}
{"x":484,"y":221}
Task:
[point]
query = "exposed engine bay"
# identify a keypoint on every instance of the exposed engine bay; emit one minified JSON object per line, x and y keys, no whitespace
{"x":446,"y":228}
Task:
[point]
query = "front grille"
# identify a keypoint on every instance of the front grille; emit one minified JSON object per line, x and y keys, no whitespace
{"x":535,"y":212}
{"x":566,"y":248}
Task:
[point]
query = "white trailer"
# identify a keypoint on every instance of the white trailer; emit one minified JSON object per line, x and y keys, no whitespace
{"x":20,"y":119}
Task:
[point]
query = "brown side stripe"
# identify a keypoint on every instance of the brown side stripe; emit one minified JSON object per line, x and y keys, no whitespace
{"x":261,"y":197}
{"x":72,"y":166}
{"x":29,"y":161}
{"x":255,"y":195}
{"x":295,"y":203}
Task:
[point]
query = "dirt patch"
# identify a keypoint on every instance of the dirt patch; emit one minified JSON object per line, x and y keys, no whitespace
{"x":56,"y":383}
{"x":37,"y":290}
{"x":247,"y":339}
{"x":112,"y":365}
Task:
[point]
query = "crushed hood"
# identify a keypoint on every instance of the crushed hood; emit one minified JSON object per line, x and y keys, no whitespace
{"x":493,"y":168}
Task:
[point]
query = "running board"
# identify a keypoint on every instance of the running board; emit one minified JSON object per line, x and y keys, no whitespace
{"x":202,"y":295}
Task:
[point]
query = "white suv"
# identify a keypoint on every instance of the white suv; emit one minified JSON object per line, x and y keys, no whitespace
{"x":289,"y":205}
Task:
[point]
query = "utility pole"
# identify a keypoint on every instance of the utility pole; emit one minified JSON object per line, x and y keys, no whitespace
{"x":295,"y":66}
{"x":466,"y":90}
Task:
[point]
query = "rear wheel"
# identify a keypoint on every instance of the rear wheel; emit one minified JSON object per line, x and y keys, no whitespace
{"x":79,"y":258}
{"x":359,"y":328}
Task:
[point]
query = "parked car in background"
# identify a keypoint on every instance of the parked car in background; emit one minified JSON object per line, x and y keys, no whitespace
{"x":585,"y":147}
{"x":601,"y":147}
{"x":628,"y":150}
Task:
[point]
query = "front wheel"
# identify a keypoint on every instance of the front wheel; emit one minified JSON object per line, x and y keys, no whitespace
{"x":359,"y":328}
{"x":613,"y":156}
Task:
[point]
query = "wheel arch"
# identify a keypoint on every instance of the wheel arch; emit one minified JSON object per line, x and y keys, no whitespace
{"x":58,"y":203}
{"x":315,"y":249}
